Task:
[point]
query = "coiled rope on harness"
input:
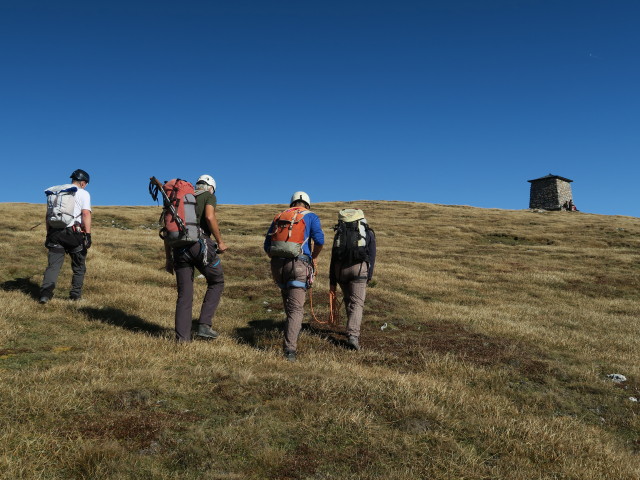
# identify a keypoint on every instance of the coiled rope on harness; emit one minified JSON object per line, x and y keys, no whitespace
{"x":334,"y":304}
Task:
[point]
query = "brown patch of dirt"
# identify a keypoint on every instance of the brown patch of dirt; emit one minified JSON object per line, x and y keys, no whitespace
{"x":132,"y":416}
{"x":604,"y":286}
{"x":407,"y":344}
{"x":305,"y":460}
{"x":138,"y":428}
{"x":359,"y":457}
{"x":301,"y":463}
{"x":417,"y":424}
{"x":14,"y":351}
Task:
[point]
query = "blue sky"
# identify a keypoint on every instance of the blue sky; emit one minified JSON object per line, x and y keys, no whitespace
{"x":455,"y":102}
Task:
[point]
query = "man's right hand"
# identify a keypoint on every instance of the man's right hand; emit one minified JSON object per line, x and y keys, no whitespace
{"x":222,"y":247}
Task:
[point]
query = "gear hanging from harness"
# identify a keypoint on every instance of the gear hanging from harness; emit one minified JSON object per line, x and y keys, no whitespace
{"x":334,"y":305}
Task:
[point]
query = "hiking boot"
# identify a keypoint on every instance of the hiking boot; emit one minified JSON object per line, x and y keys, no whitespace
{"x":75,"y":298}
{"x":43,"y":300}
{"x":205,"y":332}
{"x":352,"y":341}
{"x":290,"y":356}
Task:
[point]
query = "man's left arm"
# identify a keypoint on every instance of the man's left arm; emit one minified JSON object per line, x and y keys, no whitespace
{"x":86,"y":221}
{"x":85,"y":216}
{"x":212,"y":222}
{"x":371,"y":247}
{"x":85,"y":225}
{"x":317,"y":235}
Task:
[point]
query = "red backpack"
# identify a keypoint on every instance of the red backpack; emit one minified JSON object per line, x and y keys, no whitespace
{"x":288,"y":237}
{"x":181,"y":229}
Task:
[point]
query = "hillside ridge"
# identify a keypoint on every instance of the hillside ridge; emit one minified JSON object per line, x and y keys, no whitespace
{"x":500,"y":328}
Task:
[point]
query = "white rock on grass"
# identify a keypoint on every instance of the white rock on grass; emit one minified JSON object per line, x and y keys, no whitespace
{"x":617,"y":377}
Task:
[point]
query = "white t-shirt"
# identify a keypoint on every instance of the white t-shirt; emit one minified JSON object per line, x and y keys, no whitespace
{"x":83,"y":202}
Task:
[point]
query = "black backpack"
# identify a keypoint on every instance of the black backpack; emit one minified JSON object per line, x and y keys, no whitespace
{"x":350,"y":242}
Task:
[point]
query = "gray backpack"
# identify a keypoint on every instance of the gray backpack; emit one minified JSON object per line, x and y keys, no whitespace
{"x":61,"y":201}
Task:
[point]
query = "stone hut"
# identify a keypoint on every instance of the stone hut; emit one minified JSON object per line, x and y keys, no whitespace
{"x":550,"y":192}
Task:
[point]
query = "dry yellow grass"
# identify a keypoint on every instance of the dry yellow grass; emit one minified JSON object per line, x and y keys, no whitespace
{"x":501,"y":329}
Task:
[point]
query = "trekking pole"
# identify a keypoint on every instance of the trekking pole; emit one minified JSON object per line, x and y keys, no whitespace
{"x":36,"y":225}
{"x":154,"y":182}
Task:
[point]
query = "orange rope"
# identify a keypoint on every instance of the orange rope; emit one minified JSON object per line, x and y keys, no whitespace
{"x":334,"y":309}
{"x":334,"y":306}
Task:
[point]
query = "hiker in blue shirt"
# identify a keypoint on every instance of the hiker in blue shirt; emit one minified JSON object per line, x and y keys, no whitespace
{"x":293,"y":259}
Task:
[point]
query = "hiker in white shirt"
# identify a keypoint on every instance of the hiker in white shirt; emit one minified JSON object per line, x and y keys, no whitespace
{"x":68,"y":231}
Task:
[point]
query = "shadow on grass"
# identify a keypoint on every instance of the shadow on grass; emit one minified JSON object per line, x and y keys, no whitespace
{"x":335,"y":335}
{"x":258,"y":331}
{"x":25,"y":285}
{"x":114,"y":316}
{"x":265,"y":333}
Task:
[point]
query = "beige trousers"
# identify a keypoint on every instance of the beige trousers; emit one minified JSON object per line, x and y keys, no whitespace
{"x":353,"y":282}
{"x":291,"y":276}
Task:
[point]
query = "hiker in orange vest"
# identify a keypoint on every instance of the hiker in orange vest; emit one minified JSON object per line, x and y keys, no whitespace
{"x":353,"y":258}
{"x":201,"y":255}
{"x":293,"y":260}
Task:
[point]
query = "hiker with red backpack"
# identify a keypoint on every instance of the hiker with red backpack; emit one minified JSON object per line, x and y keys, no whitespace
{"x":353,"y":258}
{"x":189,"y":219}
{"x":68,"y":221}
{"x":293,"y":261}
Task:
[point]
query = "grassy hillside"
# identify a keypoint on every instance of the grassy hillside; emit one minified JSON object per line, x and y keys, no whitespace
{"x":501,"y":329}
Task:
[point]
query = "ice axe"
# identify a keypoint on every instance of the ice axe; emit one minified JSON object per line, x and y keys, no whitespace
{"x":154,"y":187}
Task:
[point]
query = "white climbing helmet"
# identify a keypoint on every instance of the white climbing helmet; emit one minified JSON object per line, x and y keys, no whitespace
{"x":208,"y":179}
{"x":300,"y":196}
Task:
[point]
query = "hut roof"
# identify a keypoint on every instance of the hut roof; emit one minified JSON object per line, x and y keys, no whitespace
{"x":551,"y":175}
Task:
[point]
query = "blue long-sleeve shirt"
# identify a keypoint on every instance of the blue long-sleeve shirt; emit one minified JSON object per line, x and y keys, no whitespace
{"x":312,"y":231}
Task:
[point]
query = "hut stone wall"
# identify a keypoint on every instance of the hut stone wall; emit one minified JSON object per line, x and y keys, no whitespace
{"x":549,"y":193}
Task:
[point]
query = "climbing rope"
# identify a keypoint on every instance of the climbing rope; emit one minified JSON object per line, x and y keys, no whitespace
{"x":334,"y":304}
{"x":334,"y":310}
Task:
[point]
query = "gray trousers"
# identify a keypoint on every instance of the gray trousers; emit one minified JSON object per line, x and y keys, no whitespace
{"x":353,"y":282}
{"x":291,"y":277}
{"x":58,"y":243}
{"x":185,"y":261}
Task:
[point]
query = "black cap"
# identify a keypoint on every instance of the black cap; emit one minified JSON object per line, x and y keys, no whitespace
{"x":80,"y":176}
